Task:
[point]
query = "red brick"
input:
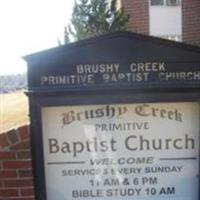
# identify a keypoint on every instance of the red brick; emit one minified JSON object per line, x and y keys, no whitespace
{"x":21,"y":145}
{"x":139,"y":18}
{"x":24,"y":132}
{"x":25,"y":173}
{"x":8,"y":192}
{"x":1,"y":183}
{"x":7,"y":155}
{"x":12,"y":136}
{"x":8,"y":174}
{"x":3,"y":141}
{"x":23,"y":155}
{"x":17,"y":164}
{"x":18,"y":183}
{"x":139,"y":15}
{"x":191,"y":21}
{"x":27,"y":192}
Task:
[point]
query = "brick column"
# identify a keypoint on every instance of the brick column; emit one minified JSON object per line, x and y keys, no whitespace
{"x":191,"y":21}
{"x":16,"y":179}
{"x":139,"y":15}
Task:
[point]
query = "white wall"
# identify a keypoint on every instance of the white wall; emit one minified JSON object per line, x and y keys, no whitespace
{"x":165,"y":20}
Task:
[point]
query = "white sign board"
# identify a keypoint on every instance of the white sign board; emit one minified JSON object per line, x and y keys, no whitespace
{"x":122,"y":151}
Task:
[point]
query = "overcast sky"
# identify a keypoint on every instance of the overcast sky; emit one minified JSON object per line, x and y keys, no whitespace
{"x":28,"y":26}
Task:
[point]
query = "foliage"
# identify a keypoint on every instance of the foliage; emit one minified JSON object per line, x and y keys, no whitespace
{"x":93,"y":18}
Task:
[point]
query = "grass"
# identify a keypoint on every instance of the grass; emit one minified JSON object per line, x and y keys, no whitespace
{"x":13,"y":110}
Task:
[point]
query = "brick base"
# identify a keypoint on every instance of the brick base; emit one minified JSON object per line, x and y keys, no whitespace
{"x":16,"y":179}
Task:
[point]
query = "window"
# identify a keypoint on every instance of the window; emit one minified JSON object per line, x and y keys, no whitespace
{"x":165,"y":2}
{"x":173,"y":2}
{"x":157,"y":2}
{"x":166,"y":20}
{"x":176,"y":38}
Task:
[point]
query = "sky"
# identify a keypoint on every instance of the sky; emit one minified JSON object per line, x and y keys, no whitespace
{"x":28,"y":26}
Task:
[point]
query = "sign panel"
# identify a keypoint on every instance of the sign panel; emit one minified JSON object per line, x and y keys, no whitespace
{"x":122,"y":151}
{"x":131,"y":73}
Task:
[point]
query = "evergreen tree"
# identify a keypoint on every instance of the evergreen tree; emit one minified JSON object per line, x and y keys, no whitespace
{"x":93,"y":18}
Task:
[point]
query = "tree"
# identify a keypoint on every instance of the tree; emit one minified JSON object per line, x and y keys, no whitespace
{"x":93,"y":18}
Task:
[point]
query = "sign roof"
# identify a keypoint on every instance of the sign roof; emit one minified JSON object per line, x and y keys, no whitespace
{"x":118,"y":60}
{"x":118,"y":45}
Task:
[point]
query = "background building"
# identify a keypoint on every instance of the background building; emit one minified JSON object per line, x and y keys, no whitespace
{"x":172,"y":19}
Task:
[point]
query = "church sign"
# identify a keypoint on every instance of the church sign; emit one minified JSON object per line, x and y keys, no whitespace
{"x":116,"y":117}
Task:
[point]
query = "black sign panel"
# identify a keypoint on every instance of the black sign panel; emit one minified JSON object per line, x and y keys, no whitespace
{"x":122,"y":61}
{"x":157,"y":74}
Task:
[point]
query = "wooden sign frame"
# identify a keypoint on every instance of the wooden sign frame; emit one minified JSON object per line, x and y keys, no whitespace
{"x":43,"y":66}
